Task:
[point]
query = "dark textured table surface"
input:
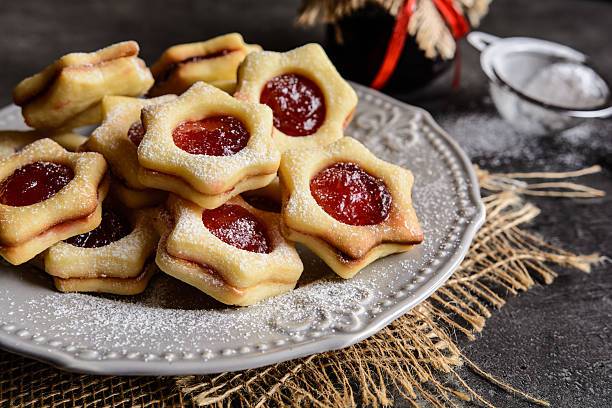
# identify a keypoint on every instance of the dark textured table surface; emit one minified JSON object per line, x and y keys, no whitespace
{"x":554,"y":342}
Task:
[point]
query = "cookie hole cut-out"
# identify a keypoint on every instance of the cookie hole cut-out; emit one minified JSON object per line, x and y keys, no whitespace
{"x":207,"y":146}
{"x":136,"y":133}
{"x":351,"y":195}
{"x":48,"y":194}
{"x":236,"y":226}
{"x":311,"y":103}
{"x":234,"y":253}
{"x":113,"y":227}
{"x":346,"y":205}
{"x":34,"y":182}
{"x":113,"y":258}
{"x":220,"y":135}
{"x":297,"y":103}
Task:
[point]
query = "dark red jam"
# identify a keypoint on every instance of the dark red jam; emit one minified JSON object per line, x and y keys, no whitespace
{"x":236,"y":226}
{"x":34,"y":182}
{"x":297,"y":103}
{"x":112,"y":228}
{"x":136,"y":133}
{"x":213,"y":136}
{"x":351,"y":195}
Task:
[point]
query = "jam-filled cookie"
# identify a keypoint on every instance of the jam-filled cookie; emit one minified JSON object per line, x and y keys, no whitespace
{"x":214,"y":61}
{"x":48,"y":194}
{"x":347,"y":206}
{"x":234,"y":253}
{"x":112,"y":258}
{"x":207,"y":146}
{"x":11,"y":141}
{"x":311,"y":102}
{"x":118,"y":138}
{"x":76,"y":82}
{"x":115,"y":286}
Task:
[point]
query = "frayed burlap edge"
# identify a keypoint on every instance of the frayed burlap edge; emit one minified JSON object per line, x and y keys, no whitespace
{"x":416,"y":356}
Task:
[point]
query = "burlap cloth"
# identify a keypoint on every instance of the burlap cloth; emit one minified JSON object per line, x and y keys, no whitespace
{"x":416,"y":356}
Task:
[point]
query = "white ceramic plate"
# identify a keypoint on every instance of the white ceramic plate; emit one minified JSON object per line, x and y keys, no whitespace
{"x":173,"y":329}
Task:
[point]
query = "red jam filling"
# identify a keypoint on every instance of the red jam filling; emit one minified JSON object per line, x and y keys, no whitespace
{"x":33,"y":183}
{"x":213,"y":136}
{"x":136,"y":133}
{"x":297,"y":103}
{"x":236,"y":226}
{"x":351,"y":195}
{"x":112,"y":228}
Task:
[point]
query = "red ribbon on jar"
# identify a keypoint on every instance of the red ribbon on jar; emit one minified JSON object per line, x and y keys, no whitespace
{"x":454,"y":19}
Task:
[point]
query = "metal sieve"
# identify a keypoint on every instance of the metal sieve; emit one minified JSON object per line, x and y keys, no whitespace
{"x":541,"y":87}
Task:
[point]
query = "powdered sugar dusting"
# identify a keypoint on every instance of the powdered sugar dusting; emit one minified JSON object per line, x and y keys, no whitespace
{"x":174,"y":314}
{"x":172,"y":317}
{"x":490,"y":140}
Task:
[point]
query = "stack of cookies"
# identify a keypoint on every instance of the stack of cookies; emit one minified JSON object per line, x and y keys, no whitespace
{"x":208,"y":167}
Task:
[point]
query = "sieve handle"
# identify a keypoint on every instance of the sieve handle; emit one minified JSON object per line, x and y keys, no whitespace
{"x":480,"y":40}
{"x":598,"y":114}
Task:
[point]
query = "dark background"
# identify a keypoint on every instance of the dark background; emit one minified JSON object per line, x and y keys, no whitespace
{"x":554,"y":342}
